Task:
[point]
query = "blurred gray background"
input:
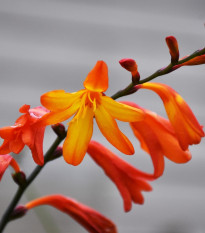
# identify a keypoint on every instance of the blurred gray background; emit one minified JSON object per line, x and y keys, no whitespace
{"x":46,"y":45}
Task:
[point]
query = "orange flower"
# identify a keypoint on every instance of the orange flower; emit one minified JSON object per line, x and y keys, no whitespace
{"x":129,"y":180}
{"x":86,"y":104}
{"x":5,"y":161}
{"x":173,"y":48}
{"x":157,"y":138}
{"x":194,"y":61}
{"x":90,"y":219}
{"x":185,"y":124}
{"x":24,"y":132}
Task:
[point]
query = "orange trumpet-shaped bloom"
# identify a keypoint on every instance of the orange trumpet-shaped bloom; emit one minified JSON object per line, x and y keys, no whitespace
{"x":89,"y":218}
{"x":5,"y":161}
{"x":129,"y":180}
{"x":86,"y":104}
{"x":185,"y":124}
{"x":157,"y":137}
{"x":25,"y":132}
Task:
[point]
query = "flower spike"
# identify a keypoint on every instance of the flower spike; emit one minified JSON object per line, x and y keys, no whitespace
{"x":90,"y":219}
{"x":85,"y":105}
{"x":185,"y":124}
{"x":129,"y":180}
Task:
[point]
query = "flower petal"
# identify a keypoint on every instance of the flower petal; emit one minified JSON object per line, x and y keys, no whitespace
{"x":121,"y":111}
{"x":5,"y":160}
{"x":180,"y":115}
{"x":58,"y":116}
{"x":89,"y":218}
{"x":7,"y":132}
{"x":59,"y":99}
{"x":97,"y":79}
{"x":4,"y":148}
{"x":111,"y":132}
{"x":78,"y":136}
{"x":37,"y":147}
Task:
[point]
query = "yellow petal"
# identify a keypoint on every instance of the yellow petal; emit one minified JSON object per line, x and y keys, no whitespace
{"x":59,"y":116}
{"x":97,"y":79}
{"x":110,"y":130}
{"x":121,"y":111}
{"x":79,"y":134}
{"x":59,"y":99}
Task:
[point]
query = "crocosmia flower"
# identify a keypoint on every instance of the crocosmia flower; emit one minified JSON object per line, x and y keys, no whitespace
{"x":157,"y":137}
{"x":86,"y":104}
{"x":90,"y":219}
{"x":5,"y":161}
{"x":129,"y":180}
{"x":25,"y":132}
{"x":185,"y":124}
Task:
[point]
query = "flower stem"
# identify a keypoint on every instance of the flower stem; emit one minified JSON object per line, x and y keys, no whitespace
{"x":170,"y":68}
{"x":20,"y":191}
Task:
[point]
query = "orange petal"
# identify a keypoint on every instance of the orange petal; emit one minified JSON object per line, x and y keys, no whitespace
{"x":59,"y":99}
{"x":97,"y":79}
{"x":121,"y":111}
{"x":5,"y":160}
{"x":4,"y":148}
{"x":90,"y":219}
{"x":78,"y":136}
{"x":150,"y":143}
{"x":16,"y":145}
{"x":37,"y":147}
{"x":111,"y":132}
{"x":7,"y":132}
{"x":180,"y":115}
{"x":194,"y":61}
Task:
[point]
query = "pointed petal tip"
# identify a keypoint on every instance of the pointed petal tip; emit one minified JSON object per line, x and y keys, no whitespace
{"x":97,"y":78}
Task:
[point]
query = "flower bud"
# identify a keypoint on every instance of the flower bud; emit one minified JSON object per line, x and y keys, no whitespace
{"x":173,"y":48}
{"x":18,"y":212}
{"x":19,"y":178}
{"x":131,"y":66}
{"x":57,"y":153}
{"x":59,"y":129}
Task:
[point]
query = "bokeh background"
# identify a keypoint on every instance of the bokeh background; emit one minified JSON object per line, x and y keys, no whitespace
{"x":46,"y":45}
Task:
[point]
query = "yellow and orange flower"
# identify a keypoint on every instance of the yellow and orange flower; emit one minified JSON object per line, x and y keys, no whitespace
{"x":157,"y":137}
{"x":5,"y":161}
{"x":89,"y":218}
{"x":86,"y":104}
{"x":186,"y":127}
{"x":129,"y":180}
{"x":25,"y":132}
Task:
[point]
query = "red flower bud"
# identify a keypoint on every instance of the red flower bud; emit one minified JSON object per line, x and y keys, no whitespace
{"x":18,"y":212}
{"x":173,"y":48}
{"x":59,"y":129}
{"x":131,"y":66}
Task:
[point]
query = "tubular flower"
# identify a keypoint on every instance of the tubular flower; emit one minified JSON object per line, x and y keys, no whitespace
{"x":129,"y":180}
{"x":185,"y":124}
{"x":157,"y":137}
{"x":25,"y":132}
{"x":86,"y":104}
{"x":90,"y":219}
{"x":5,"y":161}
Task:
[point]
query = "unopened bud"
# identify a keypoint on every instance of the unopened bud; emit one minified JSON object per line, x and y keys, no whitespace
{"x":173,"y":48}
{"x":19,"y":178}
{"x":18,"y":212}
{"x":57,"y":153}
{"x":59,"y":129}
{"x":131,"y":66}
